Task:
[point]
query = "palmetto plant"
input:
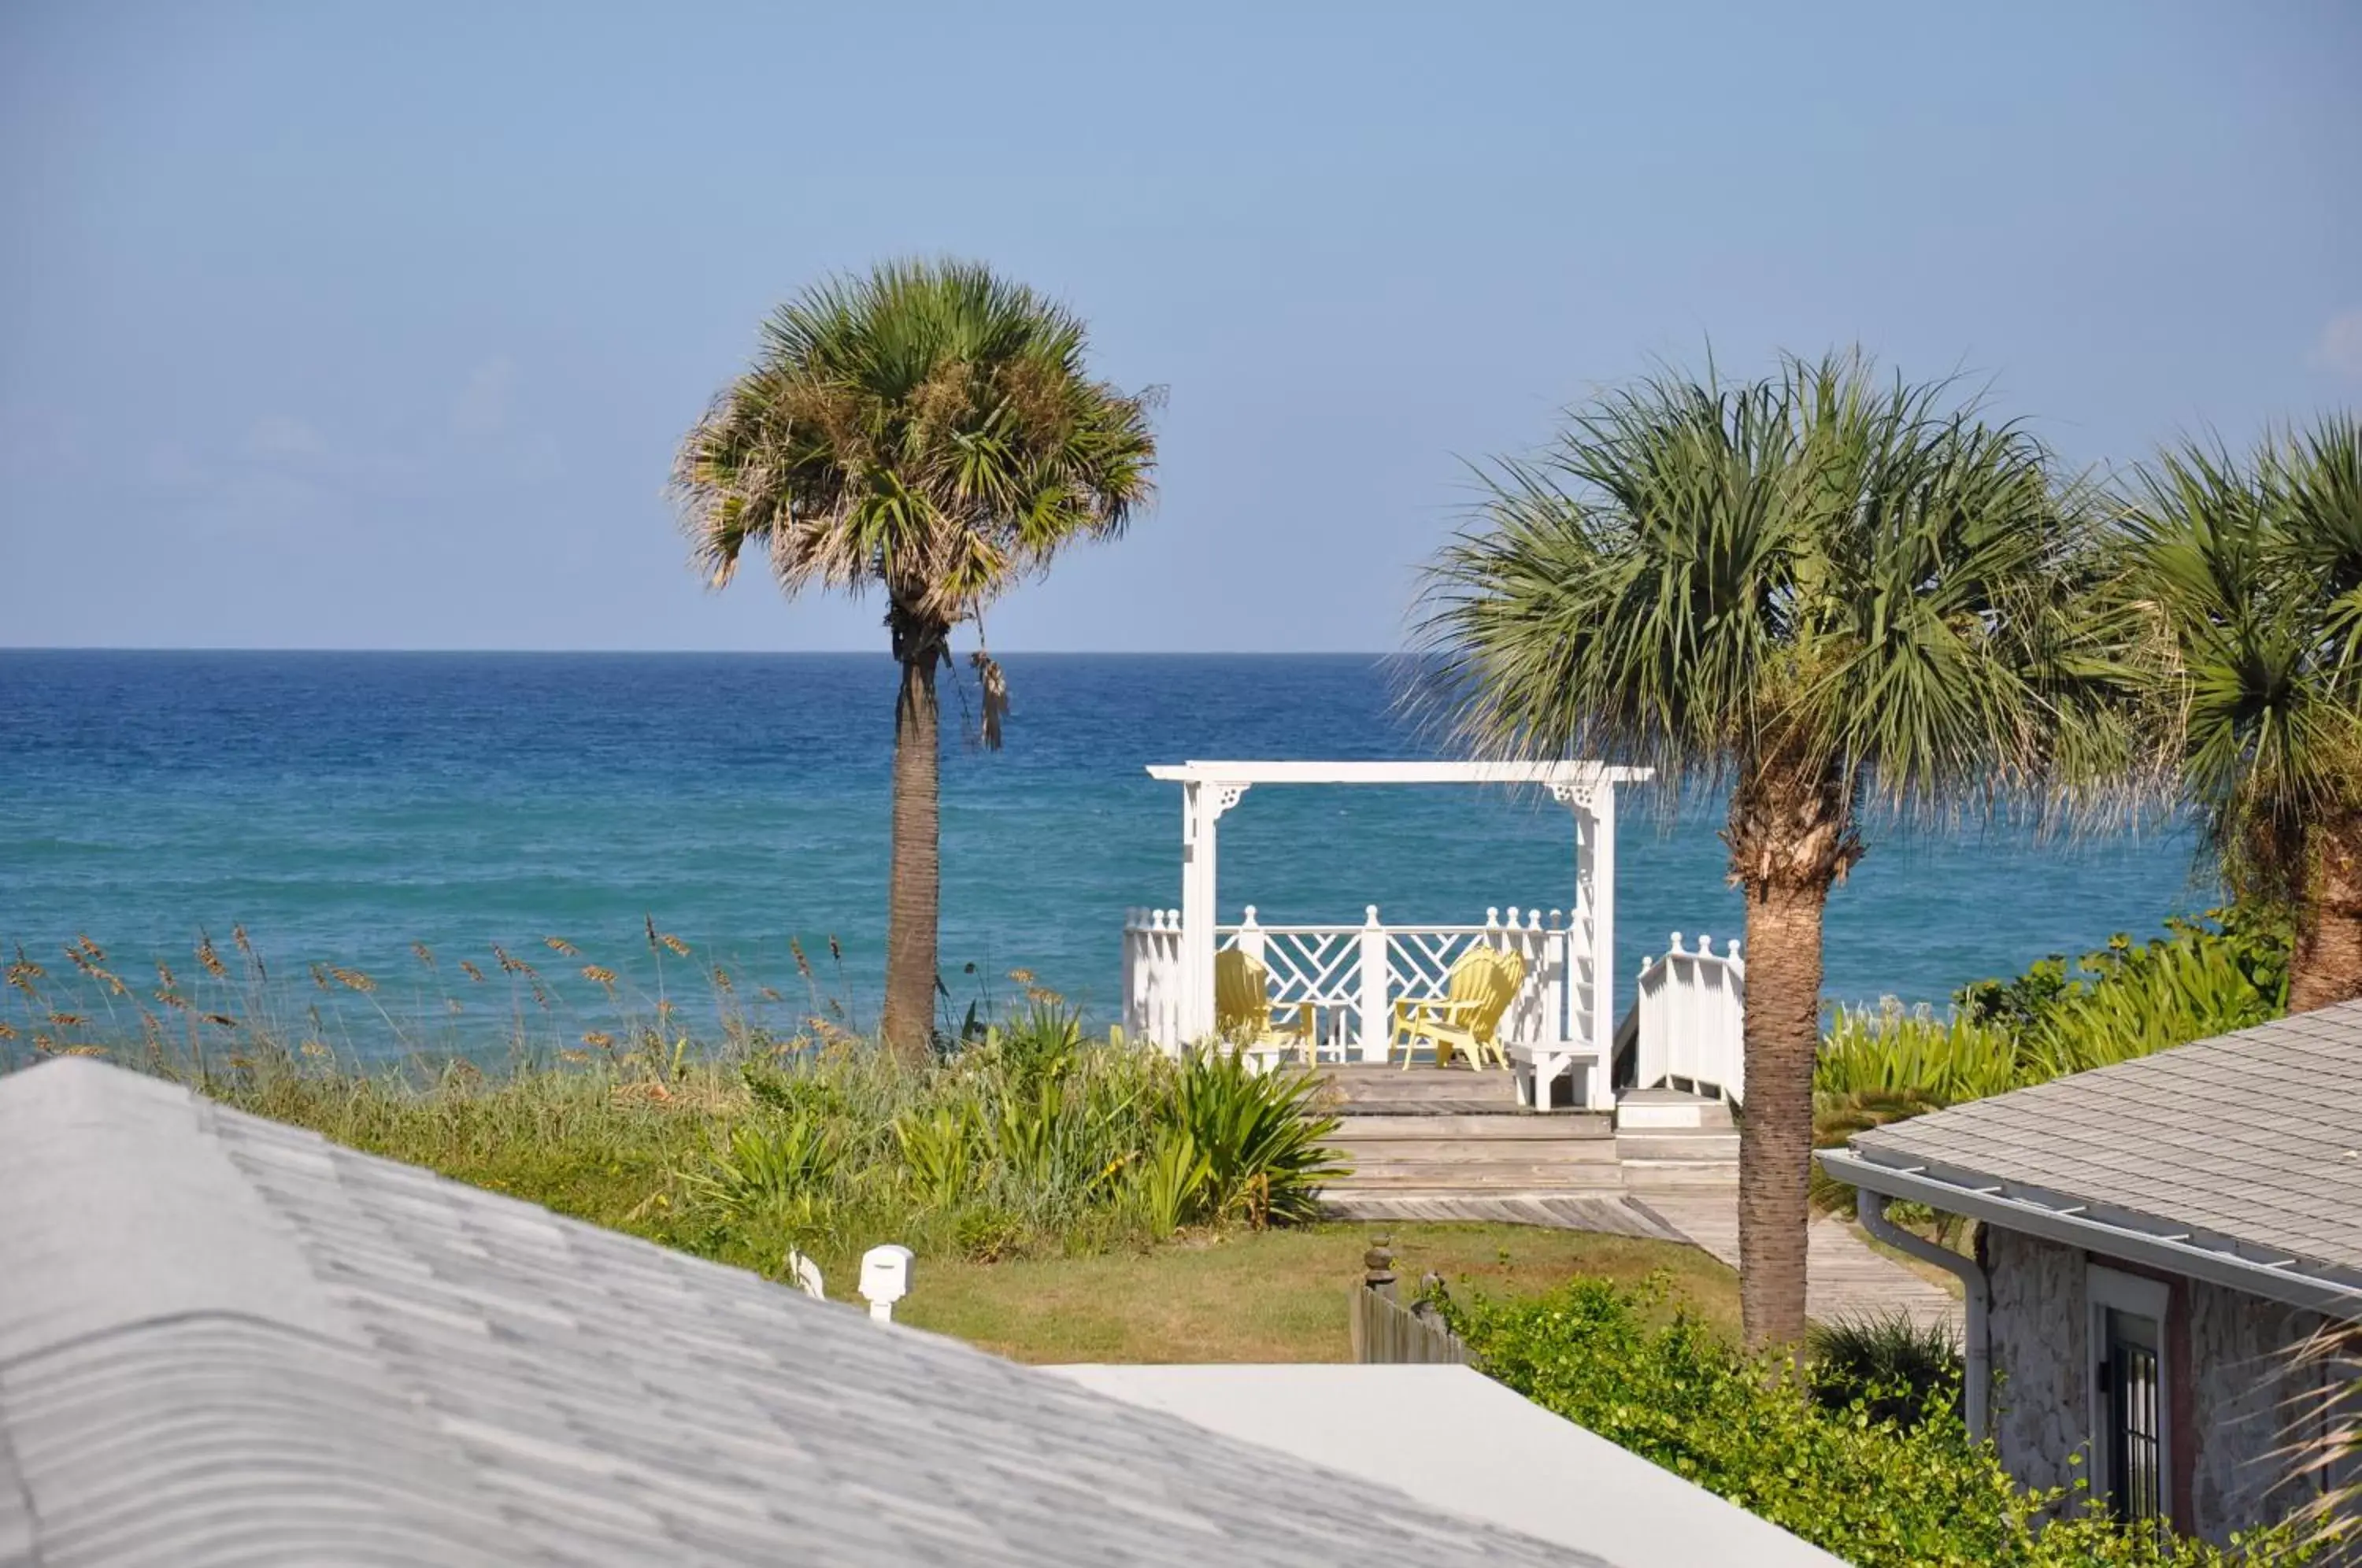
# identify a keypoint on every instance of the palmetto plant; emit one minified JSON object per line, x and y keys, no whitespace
{"x":1833,"y":595}
{"x":1258,"y":1136}
{"x":929,"y":430}
{"x":2254,"y":572}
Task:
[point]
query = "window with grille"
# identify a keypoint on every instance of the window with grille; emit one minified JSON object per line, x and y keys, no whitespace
{"x":2136,"y":1406}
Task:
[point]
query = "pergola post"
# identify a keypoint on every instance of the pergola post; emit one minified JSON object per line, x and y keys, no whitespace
{"x":1202,"y":805}
{"x":1596,"y":838}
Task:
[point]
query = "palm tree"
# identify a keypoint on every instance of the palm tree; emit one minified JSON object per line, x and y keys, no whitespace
{"x":928,"y":429}
{"x":2254,"y":572}
{"x":1834,"y":597}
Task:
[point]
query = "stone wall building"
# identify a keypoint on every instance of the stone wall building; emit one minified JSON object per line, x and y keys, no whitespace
{"x":2167,"y":1270}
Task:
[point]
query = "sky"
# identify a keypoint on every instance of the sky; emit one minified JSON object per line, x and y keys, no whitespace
{"x":331,"y":325}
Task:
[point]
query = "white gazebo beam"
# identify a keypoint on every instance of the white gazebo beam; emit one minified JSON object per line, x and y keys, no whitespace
{"x":1555,"y":774}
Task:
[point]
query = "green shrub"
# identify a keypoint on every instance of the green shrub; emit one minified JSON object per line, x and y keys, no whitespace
{"x":1172,"y":1182}
{"x":1871,"y":1490}
{"x":1890,"y":1050}
{"x":2195,"y":982}
{"x":1258,"y":1135}
{"x":1034,"y":1139}
{"x":2202,"y":977}
{"x":1894,"y":1368}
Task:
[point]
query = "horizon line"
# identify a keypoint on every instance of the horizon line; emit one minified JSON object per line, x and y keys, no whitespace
{"x":694,"y":653}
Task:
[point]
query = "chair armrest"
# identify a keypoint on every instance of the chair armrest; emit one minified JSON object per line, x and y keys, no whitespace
{"x":1432,"y":1009}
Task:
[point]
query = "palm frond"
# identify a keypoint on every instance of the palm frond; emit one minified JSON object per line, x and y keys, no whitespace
{"x":928,"y":427}
{"x":1825,"y":566}
{"x":2252,"y":572}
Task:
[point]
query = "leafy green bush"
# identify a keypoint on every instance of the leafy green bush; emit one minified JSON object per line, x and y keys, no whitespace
{"x":1259,"y":1137}
{"x":1870,"y":1489}
{"x":2195,"y":982}
{"x":1889,"y":1050}
{"x":2202,"y":977}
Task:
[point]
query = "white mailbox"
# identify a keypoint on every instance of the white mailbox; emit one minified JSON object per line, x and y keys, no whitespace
{"x":885,"y":1278}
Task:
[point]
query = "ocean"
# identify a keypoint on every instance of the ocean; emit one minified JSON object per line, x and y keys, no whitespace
{"x":341,"y":807}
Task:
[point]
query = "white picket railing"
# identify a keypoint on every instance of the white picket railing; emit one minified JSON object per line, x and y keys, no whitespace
{"x":1693,"y":1015}
{"x":1353,"y":975}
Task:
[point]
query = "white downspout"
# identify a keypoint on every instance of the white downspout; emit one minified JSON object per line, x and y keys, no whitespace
{"x":1978,"y":1351}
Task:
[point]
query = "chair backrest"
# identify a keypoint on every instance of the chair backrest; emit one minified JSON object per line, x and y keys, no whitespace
{"x":1488,"y":977}
{"x":1242,"y":993}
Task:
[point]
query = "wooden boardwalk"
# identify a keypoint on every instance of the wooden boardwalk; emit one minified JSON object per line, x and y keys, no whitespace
{"x":1453,"y":1146}
{"x":1844,"y":1277}
{"x":1610,"y":1216}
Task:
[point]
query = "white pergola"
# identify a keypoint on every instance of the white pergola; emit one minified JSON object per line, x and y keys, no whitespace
{"x":1587,"y":789}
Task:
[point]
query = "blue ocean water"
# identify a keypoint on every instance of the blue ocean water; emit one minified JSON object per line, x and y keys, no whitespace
{"x":343,"y":806}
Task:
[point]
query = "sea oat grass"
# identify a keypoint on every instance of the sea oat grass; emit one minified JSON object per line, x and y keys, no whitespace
{"x":688,"y":1118}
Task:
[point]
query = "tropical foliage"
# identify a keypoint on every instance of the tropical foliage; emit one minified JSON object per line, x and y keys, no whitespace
{"x":1825,"y":1457}
{"x":1913,"y":1054}
{"x":2226,"y":971}
{"x":2202,"y":977}
{"x":1031,"y":1137}
{"x":929,"y":430}
{"x":1835,"y":596}
{"x":1889,"y":1367}
{"x":2252,"y":571}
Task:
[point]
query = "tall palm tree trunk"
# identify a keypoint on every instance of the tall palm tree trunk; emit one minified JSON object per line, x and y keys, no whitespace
{"x":1775,"y":1136}
{"x":1791,"y":837}
{"x":914,"y":885}
{"x":2327,"y":963}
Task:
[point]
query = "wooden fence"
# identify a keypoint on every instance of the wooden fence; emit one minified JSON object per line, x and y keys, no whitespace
{"x":1386,"y":1332}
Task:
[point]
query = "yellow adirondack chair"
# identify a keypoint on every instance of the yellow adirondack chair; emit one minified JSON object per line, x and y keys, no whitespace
{"x":1246,"y":1017}
{"x":1482,"y":983}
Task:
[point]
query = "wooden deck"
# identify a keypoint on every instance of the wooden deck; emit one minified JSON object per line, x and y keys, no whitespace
{"x":1609,"y":1216}
{"x":1453,"y":1145}
{"x":1844,"y":1276}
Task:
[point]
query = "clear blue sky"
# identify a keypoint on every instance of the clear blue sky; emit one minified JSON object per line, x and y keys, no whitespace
{"x":335,"y":326}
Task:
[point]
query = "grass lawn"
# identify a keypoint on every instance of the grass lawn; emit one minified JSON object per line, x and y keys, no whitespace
{"x":1277,"y":1296}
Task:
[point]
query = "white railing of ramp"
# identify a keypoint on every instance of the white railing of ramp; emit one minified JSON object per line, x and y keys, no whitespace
{"x":1693,"y":1014}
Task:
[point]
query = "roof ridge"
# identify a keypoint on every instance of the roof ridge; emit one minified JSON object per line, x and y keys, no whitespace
{"x":84,"y":1144}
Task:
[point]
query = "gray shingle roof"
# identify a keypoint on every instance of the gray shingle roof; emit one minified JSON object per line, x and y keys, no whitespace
{"x":227,"y":1341}
{"x":2253,"y":1138}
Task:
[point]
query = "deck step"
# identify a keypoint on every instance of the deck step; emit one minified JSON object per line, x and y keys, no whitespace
{"x":1353,"y":1126}
{"x":1664,"y":1109}
{"x":1449,"y":1160}
{"x":1699,"y":1147}
{"x":1486,"y":1179}
{"x":1395,"y":1083}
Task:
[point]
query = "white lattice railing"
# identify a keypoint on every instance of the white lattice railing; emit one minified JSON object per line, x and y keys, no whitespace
{"x":1353,"y":975}
{"x":1693,"y":1020}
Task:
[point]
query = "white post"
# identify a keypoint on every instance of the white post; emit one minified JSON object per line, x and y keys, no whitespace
{"x":1554,"y":979}
{"x":1681,"y":1011}
{"x":1734,"y":1025}
{"x":1378,"y":1022}
{"x":1170,"y":988}
{"x":1595,"y":892}
{"x":1134,"y":1014}
{"x":1251,"y":936}
{"x":1202,"y":805}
